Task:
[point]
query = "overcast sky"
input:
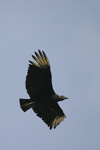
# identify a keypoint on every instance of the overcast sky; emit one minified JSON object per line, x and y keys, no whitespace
{"x":69,"y":33}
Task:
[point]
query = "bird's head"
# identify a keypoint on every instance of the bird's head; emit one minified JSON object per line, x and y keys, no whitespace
{"x":61,"y":98}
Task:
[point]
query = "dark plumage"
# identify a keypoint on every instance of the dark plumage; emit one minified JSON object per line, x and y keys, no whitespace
{"x":43,"y":100}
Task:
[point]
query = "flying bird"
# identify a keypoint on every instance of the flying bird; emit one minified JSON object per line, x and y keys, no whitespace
{"x":43,"y":100}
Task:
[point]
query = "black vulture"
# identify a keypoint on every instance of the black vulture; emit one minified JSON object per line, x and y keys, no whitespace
{"x":43,"y":100}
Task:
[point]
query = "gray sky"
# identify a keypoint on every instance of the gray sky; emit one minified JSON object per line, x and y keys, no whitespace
{"x":69,"y":33}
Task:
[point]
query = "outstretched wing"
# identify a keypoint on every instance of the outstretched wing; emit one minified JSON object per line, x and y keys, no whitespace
{"x":38,"y":79}
{"x":50,"y":113}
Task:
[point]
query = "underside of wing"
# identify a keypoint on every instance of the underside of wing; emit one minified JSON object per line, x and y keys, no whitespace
{"x":38,"y":79}
{"x":50,"y":113}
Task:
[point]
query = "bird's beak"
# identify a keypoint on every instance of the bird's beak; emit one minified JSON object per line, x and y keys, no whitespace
{"x":66,"y":97}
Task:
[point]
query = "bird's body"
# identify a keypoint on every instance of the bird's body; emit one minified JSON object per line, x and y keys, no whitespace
{"x":43,"y":100}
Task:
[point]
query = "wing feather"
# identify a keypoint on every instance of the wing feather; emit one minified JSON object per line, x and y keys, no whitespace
{"x":50,"y":113}
{"x":38,"y":79}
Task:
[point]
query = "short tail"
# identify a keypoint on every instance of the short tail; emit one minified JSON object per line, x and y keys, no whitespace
{"x":26,"y":104}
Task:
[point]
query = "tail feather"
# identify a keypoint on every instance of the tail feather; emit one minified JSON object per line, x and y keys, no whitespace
{"x":26,"y":104}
